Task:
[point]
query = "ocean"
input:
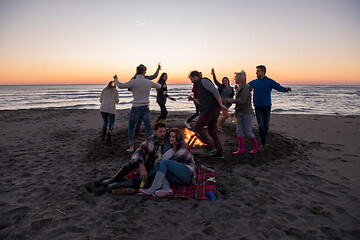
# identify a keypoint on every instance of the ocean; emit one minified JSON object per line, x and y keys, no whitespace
{"x":304,"y":99}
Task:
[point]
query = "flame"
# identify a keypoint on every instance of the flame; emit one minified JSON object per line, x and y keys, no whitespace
{"x":191,"y":138}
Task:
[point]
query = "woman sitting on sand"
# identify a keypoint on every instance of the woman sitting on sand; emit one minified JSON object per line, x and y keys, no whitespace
{"x":179,"y":169}
{"x":108,"y":98}
{"x":244,"y":113}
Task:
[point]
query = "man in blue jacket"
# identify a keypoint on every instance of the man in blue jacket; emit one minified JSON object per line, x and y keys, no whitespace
{"x":262,"y":87}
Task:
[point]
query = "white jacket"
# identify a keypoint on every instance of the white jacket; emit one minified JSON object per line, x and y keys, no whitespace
{"x":108,"y":99}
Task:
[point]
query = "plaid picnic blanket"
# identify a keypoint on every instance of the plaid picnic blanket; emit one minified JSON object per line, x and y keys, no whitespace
{"x":203,"y":185}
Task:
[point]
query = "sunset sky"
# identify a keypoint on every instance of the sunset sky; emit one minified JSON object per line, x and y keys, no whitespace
{"x":88,"y":41}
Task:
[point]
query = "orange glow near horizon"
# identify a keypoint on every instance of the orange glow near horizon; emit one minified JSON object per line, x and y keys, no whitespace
{"x":86,"y":77}
{"x":48,"y":74}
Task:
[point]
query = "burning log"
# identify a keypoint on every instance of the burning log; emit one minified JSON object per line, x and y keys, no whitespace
{"x":192,"y":138}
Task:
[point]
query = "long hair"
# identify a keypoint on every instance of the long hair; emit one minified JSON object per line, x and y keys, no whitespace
{"x":110,"y":87}
{"x":178,"y":135}
{"x":161,"y":78}
{"x":225,"y":78}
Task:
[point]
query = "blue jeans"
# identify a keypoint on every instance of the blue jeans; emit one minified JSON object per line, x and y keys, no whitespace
{"x":138,"y":124}
{"x":108,"y":118}
{"x":244,"y":125}
{"x":263,"y":119}
{"x":197,"y":106}
{"x":175,"y":172}
{"x":136,"y":114}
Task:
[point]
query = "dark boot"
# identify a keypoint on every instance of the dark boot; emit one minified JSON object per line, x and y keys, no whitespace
{"x":108,"y":137}
{"x":103,"y":134}
{"x":117,"y":177}
{"x":120,"y":174}
{"x":122,"y":183}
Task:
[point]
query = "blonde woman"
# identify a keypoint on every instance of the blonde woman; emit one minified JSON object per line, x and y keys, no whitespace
{"x":244,"y":113}
{"x":108,"y":98}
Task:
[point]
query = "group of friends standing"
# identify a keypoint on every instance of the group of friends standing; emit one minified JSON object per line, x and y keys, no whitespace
{"x":175,"y":161}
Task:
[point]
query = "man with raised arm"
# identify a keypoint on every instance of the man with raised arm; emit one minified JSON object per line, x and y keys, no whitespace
{"x":140,"y":87}
{"x":262,"y":100}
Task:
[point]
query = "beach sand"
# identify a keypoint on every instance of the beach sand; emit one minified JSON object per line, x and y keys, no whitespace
{"x":305,"y":185}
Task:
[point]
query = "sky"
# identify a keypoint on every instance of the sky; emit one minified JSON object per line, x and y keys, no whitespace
{"x":88,"y":41}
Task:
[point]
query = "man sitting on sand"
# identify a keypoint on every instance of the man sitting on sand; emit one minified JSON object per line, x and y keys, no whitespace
{"x":140,"y":87}
{"x":262,"y":100}
{"x":144,"y":157}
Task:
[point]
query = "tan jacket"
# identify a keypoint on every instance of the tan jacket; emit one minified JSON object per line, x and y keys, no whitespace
{"x":243,"y":100}
{"x":108,"y":99}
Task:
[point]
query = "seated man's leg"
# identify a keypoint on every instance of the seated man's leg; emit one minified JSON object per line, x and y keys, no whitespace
{"x":120,"y":174}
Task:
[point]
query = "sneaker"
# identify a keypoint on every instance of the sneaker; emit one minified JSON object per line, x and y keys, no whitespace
{"x":262,"y":147}
{"x":187,"y":125}
{"x":218,"y":156}
{"x":211,"y":152}
{"x":164,"y":193}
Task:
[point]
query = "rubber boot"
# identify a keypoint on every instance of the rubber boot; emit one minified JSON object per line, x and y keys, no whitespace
{"x":241,"y":149}
{"x":255,"y":145}
{"x":117,"y":177}
{"x":165,"y":189}
{"x":156,"y":185}
{"x":103,"y":134}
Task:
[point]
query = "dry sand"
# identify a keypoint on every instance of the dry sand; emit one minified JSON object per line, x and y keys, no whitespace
{"x":304,"y":186}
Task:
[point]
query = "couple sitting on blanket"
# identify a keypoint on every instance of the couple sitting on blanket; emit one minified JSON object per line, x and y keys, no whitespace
{"x":165,"y":155}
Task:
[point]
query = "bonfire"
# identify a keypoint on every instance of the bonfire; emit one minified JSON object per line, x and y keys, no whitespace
{"x":192,"y":138}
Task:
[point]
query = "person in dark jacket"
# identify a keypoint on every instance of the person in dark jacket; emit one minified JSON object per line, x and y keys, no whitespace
{"x":161,"y":97}
{"x":211,"y":104}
